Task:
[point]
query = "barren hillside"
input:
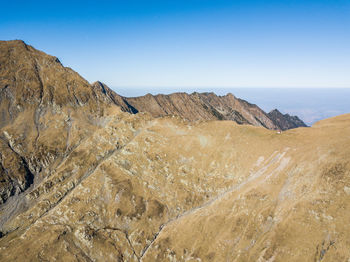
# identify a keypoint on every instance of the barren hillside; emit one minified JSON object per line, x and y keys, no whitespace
{"x":81,"y":180}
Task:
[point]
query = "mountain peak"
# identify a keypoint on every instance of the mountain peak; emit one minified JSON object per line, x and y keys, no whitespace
{"x":285,"y":121}
{"x":100,"y":86}
{"x":230,"y":95}
{"x":15,"y":42}
{"x":275,"y":111}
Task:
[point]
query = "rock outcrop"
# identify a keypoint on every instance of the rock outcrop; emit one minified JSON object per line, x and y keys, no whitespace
{"x":89,"y":182}
{"x":285,"y":121}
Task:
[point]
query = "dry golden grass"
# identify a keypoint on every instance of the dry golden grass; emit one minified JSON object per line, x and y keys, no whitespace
{"x":120,"y":187}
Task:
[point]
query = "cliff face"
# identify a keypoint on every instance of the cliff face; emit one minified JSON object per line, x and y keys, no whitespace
{"x":285,"y":121}
{"x":93,"y":183}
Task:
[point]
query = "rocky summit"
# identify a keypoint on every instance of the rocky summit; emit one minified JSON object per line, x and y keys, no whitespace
{"x":285,"y":121}
{"x":85,"y":175}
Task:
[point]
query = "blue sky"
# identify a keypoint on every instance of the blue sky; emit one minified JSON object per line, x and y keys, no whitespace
{"x":193,"y":43}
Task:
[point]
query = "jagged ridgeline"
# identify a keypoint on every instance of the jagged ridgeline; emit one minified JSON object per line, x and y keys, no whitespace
{"x":88,"y":175}
{"x":203,"y":107}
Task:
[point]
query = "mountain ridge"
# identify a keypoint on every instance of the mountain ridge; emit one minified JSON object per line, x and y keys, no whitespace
{"x":202,"y":107}
{"x":285,"y":121}
{"x":110,"y":185}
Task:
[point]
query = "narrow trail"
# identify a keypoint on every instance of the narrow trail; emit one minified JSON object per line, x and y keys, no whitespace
{"x":126,"y":234}
{"x":275,"y":158}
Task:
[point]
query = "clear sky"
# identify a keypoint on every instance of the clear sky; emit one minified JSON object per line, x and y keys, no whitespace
{"x":191,"y":43}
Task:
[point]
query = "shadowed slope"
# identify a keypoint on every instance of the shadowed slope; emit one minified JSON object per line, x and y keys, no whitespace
{"x":285,"y":121}
{"x":202,"y":107}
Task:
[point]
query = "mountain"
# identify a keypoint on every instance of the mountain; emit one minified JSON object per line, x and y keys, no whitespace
{"x":46,"y":110}
{"x":285,"y":121}
{"x":82,"y":180}
{"x":203,"y":107}
{"x":112,"y":97}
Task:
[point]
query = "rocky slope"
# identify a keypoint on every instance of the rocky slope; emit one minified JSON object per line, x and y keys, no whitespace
{"x":40,"y":101}
{"x":285,"y":121}
{"x":114,"y":186}
{"x":202,"y":107}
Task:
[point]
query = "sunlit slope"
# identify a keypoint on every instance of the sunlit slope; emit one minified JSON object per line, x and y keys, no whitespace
{"x":163,"y":190}
{"x":294,"y":206}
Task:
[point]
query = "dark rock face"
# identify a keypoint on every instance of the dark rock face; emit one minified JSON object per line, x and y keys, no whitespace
{"x":15,"y":175}
{"x":202,"y":107}
{"x":192,"y":107}
{"x":285,"y":121}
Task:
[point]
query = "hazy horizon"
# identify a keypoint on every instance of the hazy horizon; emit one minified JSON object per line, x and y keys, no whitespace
{"x":245,"y":47}
{"x":191,"y":43}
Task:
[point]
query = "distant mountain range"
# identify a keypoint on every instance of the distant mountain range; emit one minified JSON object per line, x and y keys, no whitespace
{"x":203,"y":107}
